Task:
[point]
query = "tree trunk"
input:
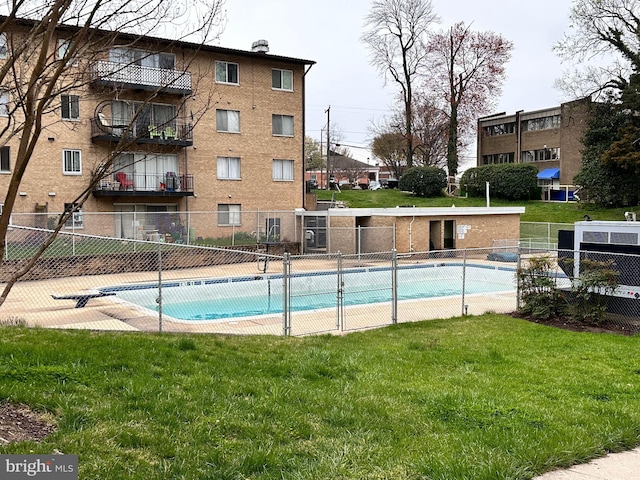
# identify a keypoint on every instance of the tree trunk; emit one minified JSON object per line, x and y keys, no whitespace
{"x":452,"y":142}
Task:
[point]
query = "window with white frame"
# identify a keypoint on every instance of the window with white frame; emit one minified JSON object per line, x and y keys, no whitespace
{"x":71,"y":162}
{"x":227,"y":72}
{"x":130,"y":56}
{"x":75,"y":220}
{"x":541,"y":123}
{"x":5,"y":162}
{"x":282,"y":125}
{"x":63,"y":50}
{"x":540,"y":155}
{"x":70,"y":107}
{"x":282,"y":79}
{"x":228,"y":168}
{"x":228,"y":121}
{"x":4,"y":47}
{"x":4,"y":103}
{"x":282,"y":170}
{"x":229,"y":214}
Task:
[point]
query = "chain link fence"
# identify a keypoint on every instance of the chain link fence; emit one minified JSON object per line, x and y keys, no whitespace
{"x":226,"y":227}
{"x":541,"y":235}
{"x":95,"y":282}
{"x":592,"y":287}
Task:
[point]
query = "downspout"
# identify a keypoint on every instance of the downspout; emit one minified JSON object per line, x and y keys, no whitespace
{"x":304,"y":134}
{"x":413,"y":219}
{"x":518,"y":158}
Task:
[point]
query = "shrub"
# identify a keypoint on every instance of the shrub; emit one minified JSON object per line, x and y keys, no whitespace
{"x":507,"y":181}
{"x":588,"y":300}
{"x":424,"y":181}
{"x":539,"y":292}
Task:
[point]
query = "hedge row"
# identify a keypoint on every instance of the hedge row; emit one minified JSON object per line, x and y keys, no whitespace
{"x":508,"y":181}
{"x":424,"y":181}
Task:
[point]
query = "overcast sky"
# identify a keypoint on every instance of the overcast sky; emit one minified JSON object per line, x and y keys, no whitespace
{"x":328,"y":32}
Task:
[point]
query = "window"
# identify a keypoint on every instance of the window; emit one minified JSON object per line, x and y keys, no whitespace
{"x":228,"y":214}
{"x":145,"y":171}
{"x":227,"y":72}
{"x":63,"y":51}
{"x":70,"y":107}
{"x":540,"y":155}
{"x":283,"y":169}
{"x":282,"y":79}
{"x":4,"y":103}
{"x":152,"y":118}
{"x":501,"y":129}
{"x":5,"y":165}
{"x":71,"y":163}
{"x":228,"y":168}
{"x":282,"y":125}
{"x":542,"y":123}
{"x":3,"y":45}
{"x":228,"y":121}
{"x":273,"y":230}
{"x":76,"y":220}
{"x":129,"y":56}
{"x":498,"y":158}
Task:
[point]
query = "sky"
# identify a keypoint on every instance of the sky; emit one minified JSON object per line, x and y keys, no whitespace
{"x":328,"y":33}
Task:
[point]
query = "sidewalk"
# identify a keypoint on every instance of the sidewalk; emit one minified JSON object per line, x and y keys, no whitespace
{"x":615,"y":466}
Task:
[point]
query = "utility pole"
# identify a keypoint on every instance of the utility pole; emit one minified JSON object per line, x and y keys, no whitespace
{"x":328,"y":112}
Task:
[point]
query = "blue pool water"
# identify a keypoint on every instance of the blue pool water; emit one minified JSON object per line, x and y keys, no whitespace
{"x":214,"y":299}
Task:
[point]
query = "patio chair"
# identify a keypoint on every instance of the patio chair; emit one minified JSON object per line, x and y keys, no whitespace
{"x":170,"y":133}
{"x":154,"y":132}
{"x":125,"y":183}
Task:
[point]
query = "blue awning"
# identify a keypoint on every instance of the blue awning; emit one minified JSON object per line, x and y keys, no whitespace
{"x":549,"y":174}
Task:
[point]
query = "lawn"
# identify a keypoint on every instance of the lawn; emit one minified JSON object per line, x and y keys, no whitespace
{"x":535,"y":210}
{"x":488,"y":397}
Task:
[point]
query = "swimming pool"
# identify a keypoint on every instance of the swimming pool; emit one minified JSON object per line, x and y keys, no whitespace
{"x":235,"y":297}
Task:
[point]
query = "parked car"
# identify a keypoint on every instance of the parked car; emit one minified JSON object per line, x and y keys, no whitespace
{"x":374,"y":185}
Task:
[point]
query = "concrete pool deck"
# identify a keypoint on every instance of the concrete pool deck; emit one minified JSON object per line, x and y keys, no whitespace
{"x":32,"y":303}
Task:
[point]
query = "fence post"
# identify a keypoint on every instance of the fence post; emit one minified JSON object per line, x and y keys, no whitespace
{"x":286,"y":294}
{"x":464,"y":279}
{"x":394,"y":286}
{"x":340,"y":296}
{"x":159,"y":299}
{"x":518,"y":265}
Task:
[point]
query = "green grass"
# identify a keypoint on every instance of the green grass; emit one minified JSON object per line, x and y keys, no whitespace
{"x":535,"y":211}
{"x":486,"y":397}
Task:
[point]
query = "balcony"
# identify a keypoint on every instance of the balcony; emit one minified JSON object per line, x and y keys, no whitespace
{"x":167,"y":184}
{"x":174,"y":133}
{"x":134,"y":76}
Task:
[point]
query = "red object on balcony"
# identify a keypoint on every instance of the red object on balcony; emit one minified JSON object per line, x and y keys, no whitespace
{"x":125,"y":183}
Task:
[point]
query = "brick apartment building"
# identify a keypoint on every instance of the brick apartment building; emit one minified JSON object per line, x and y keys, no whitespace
{"x":551,"y":139}
{"x":207,"y":128}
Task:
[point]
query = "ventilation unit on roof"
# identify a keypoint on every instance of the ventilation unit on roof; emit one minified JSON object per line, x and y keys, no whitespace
{"x":261,"y":46}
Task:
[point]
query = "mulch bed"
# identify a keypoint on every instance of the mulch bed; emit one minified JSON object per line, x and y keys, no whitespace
{"x":19,"y":424}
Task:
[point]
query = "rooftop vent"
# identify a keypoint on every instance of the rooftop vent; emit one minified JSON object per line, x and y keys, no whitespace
{"x":261,"y":46}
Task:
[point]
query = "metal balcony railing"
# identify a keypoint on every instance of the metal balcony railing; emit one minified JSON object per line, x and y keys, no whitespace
{"x":159,"y":184}
{"x":174,"y":132}
{"x":137,"y":76}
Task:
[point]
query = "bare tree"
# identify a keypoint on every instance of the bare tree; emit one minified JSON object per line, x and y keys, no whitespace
{"x":390,"y":149}
{"x":430,"y":132}
{"x":313,"y":155}
{"x":50,"y":47}
{"x":607,"y":32}
{"x":468,"y":69}
{"x":396,"y":33}
{"x":429,"y":126}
